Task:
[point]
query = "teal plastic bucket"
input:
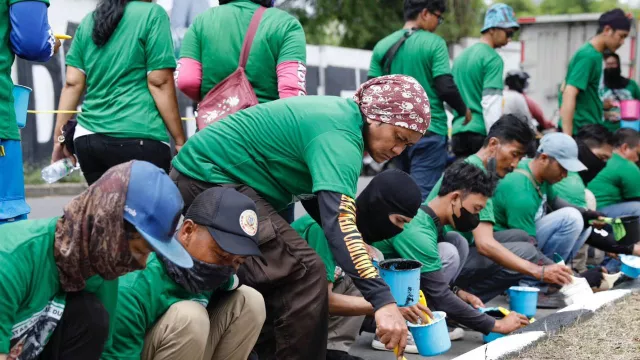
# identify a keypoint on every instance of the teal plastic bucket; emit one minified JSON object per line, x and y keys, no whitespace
{"x":495,"y":313}
{"x":523,"y":300}
{"x":21,"y":104}
{"x":630,"y":266}
{"x":403,"y":277}
{"x":631,"y":124}
{"x":432,"y":339}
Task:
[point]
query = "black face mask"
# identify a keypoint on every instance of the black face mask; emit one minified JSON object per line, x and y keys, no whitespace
{"x":390,"y":192}
{"x":201,"y":277}
{"x":613,"y":79}
{"x":466,"y":221}
{"x":593,"y":163}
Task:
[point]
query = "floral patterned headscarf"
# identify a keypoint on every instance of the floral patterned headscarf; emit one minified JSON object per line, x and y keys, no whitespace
{"x":397,"y":100}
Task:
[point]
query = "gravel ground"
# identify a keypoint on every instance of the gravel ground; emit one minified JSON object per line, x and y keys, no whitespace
{"x":612,"y":334}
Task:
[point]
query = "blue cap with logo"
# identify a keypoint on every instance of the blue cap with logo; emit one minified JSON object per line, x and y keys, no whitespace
{"x":153,"y":207}
{"x":500,"y":16}
{"x":564,"y":149}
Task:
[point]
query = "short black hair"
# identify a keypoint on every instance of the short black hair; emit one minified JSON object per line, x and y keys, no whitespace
{"x":607,"y":54}
{"x":595,"y":136}
{"x":468,"y":178}
{"x":412,"y":8}
{"x":626,"y":136}
{"x":511,"y":128}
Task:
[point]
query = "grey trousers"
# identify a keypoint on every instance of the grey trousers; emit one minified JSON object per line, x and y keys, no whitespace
{"x":454,"y":251}
{"x":343,"y":330}
{"x":486,"y":279}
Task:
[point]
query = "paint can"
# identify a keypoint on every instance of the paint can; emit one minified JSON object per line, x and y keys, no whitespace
{"x":403,"y":277}
{"x":523,"y":300}
{"x":432,"y":339}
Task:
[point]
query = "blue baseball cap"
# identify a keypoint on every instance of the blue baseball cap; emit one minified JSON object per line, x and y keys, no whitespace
{"x":564,"y":149}
{"x":500,"y":16}
{"x":153,"y":206}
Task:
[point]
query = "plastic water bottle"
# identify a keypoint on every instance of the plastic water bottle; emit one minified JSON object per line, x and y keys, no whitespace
{"x":58,"y":170}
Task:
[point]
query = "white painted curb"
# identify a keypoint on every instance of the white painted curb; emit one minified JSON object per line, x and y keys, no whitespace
{"x":514,"y":343}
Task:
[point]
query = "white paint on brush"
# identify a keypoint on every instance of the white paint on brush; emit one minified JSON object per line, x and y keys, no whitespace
{"x":597,"y":300}
{"x":502,"y":346}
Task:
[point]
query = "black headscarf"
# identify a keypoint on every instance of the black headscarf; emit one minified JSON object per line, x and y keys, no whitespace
{"x":390,"y":192}
{"x":593,"y":163}
{"x":613,"y":78}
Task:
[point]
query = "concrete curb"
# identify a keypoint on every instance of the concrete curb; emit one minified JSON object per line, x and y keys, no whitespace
{"x":546,"y":327}
{"x":68,"y":189}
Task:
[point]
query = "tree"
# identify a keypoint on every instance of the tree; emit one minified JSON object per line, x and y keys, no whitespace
{"x":522,"y":7}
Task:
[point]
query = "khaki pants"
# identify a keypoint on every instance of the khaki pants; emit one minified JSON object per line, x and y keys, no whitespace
{"x":343,"y":330}
{"x":227,"y":330}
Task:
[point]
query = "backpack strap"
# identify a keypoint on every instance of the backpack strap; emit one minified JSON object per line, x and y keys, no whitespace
{"x":387,"y":59}
{"x":435,"y":218}
{"x":251,"y":34}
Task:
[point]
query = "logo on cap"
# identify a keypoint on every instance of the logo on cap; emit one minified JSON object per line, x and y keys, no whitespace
{"x":249,"y":222}
{"x":131,"y":211}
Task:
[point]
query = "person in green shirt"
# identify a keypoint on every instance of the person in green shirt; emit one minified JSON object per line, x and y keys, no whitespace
{"x":58,"y":285}
{"x":25,"y":32}
{"x":308,"y":148}
{"x":616,"y":186}
{"x":167,"y":312}
{"x":522,"y":198}
{"x":580,"y":102}
{"x":122,"y":55}
{"x":464,"y":193}
{"x":478,"y":74}
{"x":389,"y":201}
{"x":425,"y":57}
{"x":616,"y":89}
{"x":498,"y":260}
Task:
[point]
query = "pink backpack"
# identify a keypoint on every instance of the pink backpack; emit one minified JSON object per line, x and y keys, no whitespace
{"x":235,"y":92}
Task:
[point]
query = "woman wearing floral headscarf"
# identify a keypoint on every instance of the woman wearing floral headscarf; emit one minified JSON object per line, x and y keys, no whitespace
{"x":309,"y":149}
{"x":58,"y":279}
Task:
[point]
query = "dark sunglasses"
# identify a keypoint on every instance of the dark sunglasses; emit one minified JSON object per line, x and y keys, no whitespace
{"x":440,"y":18}
{"x":509,"y":33}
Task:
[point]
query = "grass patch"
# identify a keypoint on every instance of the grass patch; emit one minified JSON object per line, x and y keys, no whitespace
{"x":33,"y":176}
{"x":612,"y":334}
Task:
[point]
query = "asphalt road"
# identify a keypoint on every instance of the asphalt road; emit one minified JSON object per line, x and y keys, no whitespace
{"x":52,"y":206}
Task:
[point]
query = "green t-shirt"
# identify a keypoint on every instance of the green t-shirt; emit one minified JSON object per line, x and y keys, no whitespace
{"x":8,"y":127}
{"x":312,"y":232}
{"x":286,"y":150}
{"x":612,"y":116}
{"x":279,"y":38}
{"x":570,"y":189}
{"x":418,"y":241}
{"x":617,"y":182}
{"x":31,"y":300}
{"x":118,"y":102}
{"x":143,"y":297}
{"x":585,"y":72}
{"x":516,"y":202}
{"x":486,"y":214}
{"x":423,"y":56}
{"x":477,"y":72}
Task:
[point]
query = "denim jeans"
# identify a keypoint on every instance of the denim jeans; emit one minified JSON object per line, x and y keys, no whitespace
{"x":425,"y":161}
{"x":562,"y":232}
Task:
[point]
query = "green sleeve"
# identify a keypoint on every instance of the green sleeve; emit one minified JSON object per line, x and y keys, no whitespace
{"x":440,"y":59}
{"x":629,"y":181}
{"x":129,"y":326}
{"x":493,"y":74}
{"x":158,"y":45}
{"x":318,"y":241}
{"x":190,"y":47}
{"x":635,"y":90}
{"x":375,"y":67}
{"x":294,"y":44}
{"x":486,"y":214}
{"x":580,"y":72}
{"x":419,"y":243}
{"x":334,"y":159}
{"x":74,"y":56}
{"x":12,"y":293}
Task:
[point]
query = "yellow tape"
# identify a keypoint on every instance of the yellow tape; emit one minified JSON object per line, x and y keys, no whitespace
{"x":62,"y":37}
{"x":77,"y":112}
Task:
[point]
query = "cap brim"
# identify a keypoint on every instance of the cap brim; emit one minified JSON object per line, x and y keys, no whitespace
{"x":170,"y":249}
{"x":573,"y":165}
{"x":235,"y":244}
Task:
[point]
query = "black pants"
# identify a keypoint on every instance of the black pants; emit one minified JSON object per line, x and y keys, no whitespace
{"x":293,"y":281}
{"x":466,"y":143}
{"x":81,"y":332}
{"x":97,"y":153}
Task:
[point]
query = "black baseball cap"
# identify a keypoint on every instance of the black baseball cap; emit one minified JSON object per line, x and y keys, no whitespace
{"x":231,"y":219}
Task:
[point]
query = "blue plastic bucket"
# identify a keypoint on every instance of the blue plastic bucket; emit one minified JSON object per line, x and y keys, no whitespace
{"x":403,"y":277}
{"x":432,"y":339}
{"x":523,"y":300}
{"x":496,"y":314}
{"x":631,"y":124}
{"x":630,"y":266}
{"x":21,"y":104}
